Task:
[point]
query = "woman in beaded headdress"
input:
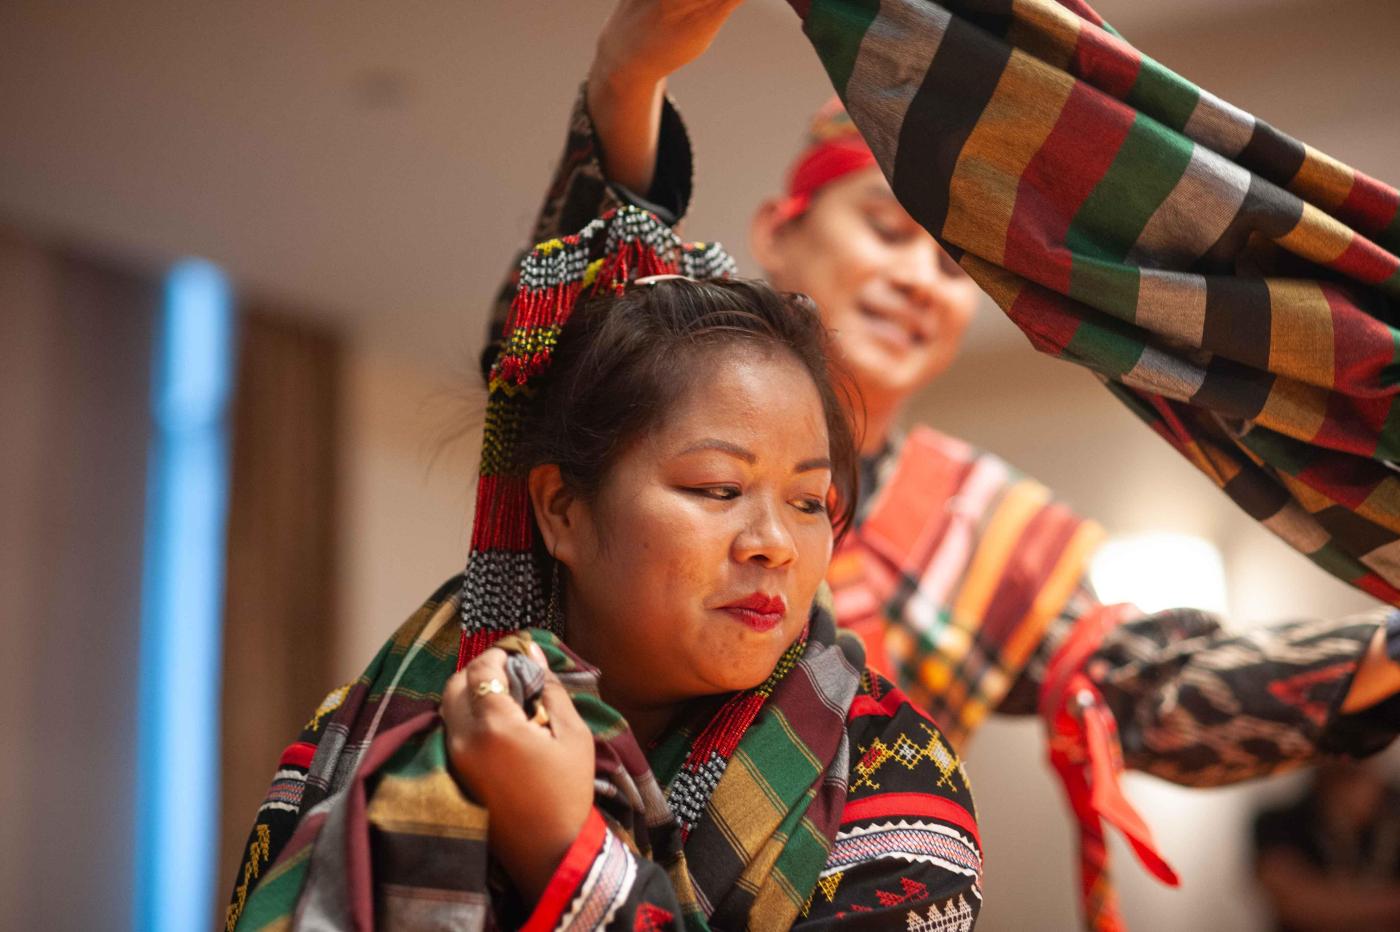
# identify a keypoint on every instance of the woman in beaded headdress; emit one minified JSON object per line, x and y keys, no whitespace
{"x":632,"y":711}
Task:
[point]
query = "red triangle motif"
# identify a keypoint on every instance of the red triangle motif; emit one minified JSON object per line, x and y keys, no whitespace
{"x":913,"y":890}
{"x":1294,"y":691}
{"x":652,"y":918}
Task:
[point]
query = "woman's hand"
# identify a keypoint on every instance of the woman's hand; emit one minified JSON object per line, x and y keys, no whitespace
{"x":642,"y":43}
{"x":536,"y":780}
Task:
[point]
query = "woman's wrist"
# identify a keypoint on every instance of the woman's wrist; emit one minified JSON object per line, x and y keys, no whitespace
{"x":623,"y":75}
{"x":622,"y":94}
{"x":531,"y":855}
{"x":624,"y":103}
{"x":568,"y":876}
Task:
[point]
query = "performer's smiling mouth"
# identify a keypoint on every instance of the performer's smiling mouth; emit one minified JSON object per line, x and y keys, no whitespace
{"x":895,"y":329}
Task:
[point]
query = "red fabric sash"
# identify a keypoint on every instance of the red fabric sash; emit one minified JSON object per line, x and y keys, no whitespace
{"x":1085,"y":752}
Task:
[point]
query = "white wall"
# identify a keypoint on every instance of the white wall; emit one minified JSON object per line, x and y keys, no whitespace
{"x":412,"y":441}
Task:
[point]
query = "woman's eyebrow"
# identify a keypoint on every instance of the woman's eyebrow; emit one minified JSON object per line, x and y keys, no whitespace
{"x":738,"y":452}
{"x":723,"y":446}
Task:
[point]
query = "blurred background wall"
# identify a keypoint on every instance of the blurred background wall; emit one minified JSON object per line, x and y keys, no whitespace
{"x":75,"y":350}
{"x":363,"y":173}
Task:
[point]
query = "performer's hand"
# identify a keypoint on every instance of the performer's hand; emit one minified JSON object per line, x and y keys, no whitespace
{"x":536,"y":780}
{"x":1377,"y":677}
{"x":642,"y":43}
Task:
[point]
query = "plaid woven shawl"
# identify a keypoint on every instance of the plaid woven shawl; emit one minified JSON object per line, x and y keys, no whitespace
{"x":1233,"y":286}
{"x":395,"y":843}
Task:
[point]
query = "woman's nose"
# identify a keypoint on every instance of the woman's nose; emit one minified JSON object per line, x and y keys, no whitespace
{"x":765,"y":539}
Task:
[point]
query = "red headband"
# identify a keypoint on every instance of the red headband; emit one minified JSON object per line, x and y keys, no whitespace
{"x":819,"y":165}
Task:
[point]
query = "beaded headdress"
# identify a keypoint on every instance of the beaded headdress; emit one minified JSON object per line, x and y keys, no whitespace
{"x":503,"y":590}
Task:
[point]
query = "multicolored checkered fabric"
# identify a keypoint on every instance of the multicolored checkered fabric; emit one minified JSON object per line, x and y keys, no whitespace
{"x":842,"y":803}
{"x":1233,"y":286}
{"x":954,"y":573}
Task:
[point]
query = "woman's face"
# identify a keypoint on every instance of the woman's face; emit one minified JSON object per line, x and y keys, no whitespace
{"x":695,"y":566}
{"x":897,"y":303}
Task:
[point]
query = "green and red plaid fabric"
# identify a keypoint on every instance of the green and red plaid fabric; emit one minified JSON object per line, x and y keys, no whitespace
{"x":843,"y":804}
{"x":1232,"y":285}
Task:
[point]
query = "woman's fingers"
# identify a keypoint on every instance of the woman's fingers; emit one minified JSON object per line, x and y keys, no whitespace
{"x":454,"y":693}
{"x":488,"y":691}
{"x":481,"y":691}
{"x":564,"y":719}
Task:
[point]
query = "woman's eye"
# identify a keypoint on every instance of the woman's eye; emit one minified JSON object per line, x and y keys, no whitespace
{"x":811,"y":506}
{"x":721,"y":493}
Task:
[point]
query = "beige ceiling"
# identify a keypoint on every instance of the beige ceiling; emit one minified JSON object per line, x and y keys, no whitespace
{"x":376,"y":163}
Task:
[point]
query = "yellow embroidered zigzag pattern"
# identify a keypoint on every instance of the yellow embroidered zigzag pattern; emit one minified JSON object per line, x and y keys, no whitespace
{"x":909,"y":753}
{"x":259,"y":850}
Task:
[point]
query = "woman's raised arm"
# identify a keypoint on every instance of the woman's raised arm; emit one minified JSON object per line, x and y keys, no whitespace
{"x":642,"y":43}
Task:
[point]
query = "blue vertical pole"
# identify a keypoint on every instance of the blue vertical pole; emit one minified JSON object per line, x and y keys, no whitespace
{"x":182,"y":605}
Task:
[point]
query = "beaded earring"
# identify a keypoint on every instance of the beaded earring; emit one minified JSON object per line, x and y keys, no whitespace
{"x":553,"y":620}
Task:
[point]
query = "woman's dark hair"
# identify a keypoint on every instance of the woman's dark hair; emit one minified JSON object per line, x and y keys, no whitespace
{"x":623,"y":362}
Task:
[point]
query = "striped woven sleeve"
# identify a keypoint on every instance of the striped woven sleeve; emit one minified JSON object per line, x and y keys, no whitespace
{"x":602,"y":884}
{"x":1232,"y":285}
{"x":403,"y":681}
{"x":403,"y":847}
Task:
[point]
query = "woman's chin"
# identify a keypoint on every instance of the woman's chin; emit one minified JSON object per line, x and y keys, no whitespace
{"x":736,"y":684}
{"x":736,"y":656}
{"x":732,"y":677}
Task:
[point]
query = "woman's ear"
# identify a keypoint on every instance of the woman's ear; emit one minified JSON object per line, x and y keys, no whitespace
{"x":557,"y":513}
{"x":766,"y":231}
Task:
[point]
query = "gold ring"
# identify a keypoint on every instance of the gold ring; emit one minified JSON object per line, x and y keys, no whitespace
{"x":492,"y":685}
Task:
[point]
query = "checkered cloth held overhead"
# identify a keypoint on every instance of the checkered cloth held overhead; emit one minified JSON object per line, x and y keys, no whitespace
{"x":1234,"y":287}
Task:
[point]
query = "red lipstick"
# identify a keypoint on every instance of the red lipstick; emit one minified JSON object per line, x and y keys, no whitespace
{"x":759,"y":611}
